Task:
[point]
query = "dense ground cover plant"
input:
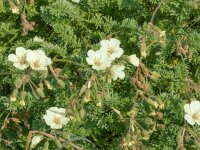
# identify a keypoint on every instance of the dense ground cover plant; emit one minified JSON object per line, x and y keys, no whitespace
{"x":99,"y":74}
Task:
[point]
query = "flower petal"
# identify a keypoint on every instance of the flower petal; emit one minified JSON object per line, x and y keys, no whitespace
{"x":195,"y":106}
{"x":104,"y":43}
{"x":189,"y":119}
{"x":13,"y":58}
{"x":187,"y":109}
{"x":56,"y":126}
{"x":198,"y":121}
{"x":65,"y":120}
{"x":47,"y":119}
{"x":20,"y":51}
{"x":114,"y":42}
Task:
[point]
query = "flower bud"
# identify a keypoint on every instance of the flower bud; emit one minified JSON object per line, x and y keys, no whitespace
{"x":87,"y":96}
{"x":18,"y":82}
{"x":58,"y":143}
{"x":82,"y":113}
{"x":148,"y":121}
{"x":143,"y":49}
{"x":40,"y":92}
{"x":83,"y":89}
{"x":106,"y":95}
{"x":98,"y":104}
{"x":147,"y":134}
{"x":153,"y":113}
{"x":155,"y":75}
{"x":35,"y":140}
{"x":160,"y":115}
{"x":153,"y":103}
{"x":35,"y":95}
{"x":14,"y":95}
{"x":48,"y":85}
{"x":22,"y":98}
{"x":22,"y":95}
{"x":61,"y":83}
{"x":89,"y":84}
{"x":46,"y":145}
{"x":22,"y":102}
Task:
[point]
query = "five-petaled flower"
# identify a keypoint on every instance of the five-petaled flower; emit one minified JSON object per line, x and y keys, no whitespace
{"x":192,"y":111}
{"x":37,"y":59}
{"x":98,"y":59}
{"x":112,"y":48}
{"x":55,"y":117}
{"x":117,"y":71}
{"x":19,"y":59}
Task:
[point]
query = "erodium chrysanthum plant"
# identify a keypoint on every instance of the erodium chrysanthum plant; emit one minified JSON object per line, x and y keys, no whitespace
{"x":99,"y":74}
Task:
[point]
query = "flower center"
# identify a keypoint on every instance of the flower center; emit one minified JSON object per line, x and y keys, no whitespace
{"x":97,"y":62}
{"x":195,"y":116}
{"x":56,"y":120}
{"x":23,"y":61}
{"x":36,"y":64}
{"x":111,"y":50}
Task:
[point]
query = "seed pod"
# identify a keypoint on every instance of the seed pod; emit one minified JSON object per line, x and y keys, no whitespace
{"x":61,"y":83}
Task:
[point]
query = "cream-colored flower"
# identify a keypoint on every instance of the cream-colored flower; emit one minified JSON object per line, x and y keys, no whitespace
{"x":98,"y":59}
{"x":36,"y":140}
{"x":76,"y":1}
{"x":55,"y":117}
{"x":37,"y":59}
{"x":111,"y":48}
{"x":19,"y":59}
{"x":22,"y":102}
{"x":13,"y":99}
{"x":15,"y":10}
{"x":134,"y":60}
{"x":37,"y":39}
{"x":192,"y":111}
{"x":117,"y":71}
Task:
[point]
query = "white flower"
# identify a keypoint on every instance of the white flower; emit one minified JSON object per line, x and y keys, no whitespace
{"x":134,"y":60}
{"x":111,"y":47}
{"x":19,"y":59}
{"x":117,"y":71}
{"x":76,"y":1}
{"x":35,"y":140}
{"x":22,"y":102}
{"x":192,"y":112}
{"x":37,"y":39}
{"x":15,"y":10}
{"x":13,"y":99}
{"x":37,"y":59}
{"x":98,"y":59}
{"x":55,"y":117}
